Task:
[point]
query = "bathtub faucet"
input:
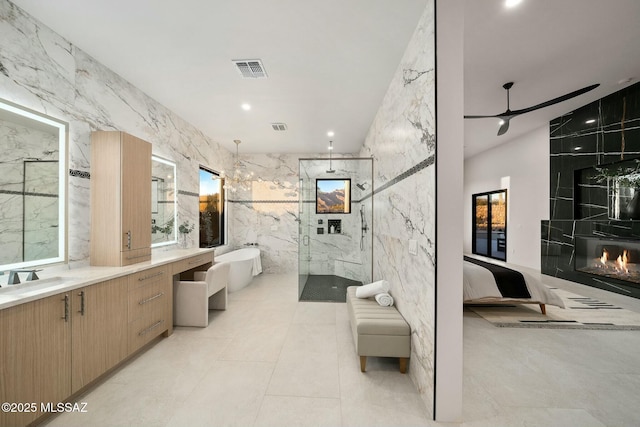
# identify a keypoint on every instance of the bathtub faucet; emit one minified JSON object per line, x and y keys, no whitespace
{"x":251,"y":244}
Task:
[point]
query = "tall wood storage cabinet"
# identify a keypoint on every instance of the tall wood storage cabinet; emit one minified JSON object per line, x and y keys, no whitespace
{"x":120,"y":199}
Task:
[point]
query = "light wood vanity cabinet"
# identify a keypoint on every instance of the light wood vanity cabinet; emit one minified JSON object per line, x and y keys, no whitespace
{"x":53,"y":347}
{"x":99,"y":324}
{"x":150,"y":297}
{"x":35,"y":354}
{"x":120,"y":199}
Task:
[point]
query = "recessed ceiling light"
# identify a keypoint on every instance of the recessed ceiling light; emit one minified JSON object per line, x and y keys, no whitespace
{"x":246,"y":107}
{"x":590,"y":121}
{"x":512,"y":3}
{"x":330,"y":133}
{"x":577,"y":148}
{"x":625,"y":81}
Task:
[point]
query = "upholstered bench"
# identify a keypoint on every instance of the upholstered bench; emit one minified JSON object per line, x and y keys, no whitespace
{"x":378,"y":331}
{"x":192,"y":300}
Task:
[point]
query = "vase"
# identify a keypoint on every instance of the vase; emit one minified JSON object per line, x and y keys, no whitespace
{"x":183,"y":240}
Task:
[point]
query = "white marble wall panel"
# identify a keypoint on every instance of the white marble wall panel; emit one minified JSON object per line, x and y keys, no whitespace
{"x":267,"y":213}
{"x":402,"y":142}
{"x":42,"y":71}
{"x":338,"y":254}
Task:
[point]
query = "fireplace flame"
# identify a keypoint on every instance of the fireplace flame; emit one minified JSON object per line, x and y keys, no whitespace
{"x":622,"y":261}
{"x":604,"y":257}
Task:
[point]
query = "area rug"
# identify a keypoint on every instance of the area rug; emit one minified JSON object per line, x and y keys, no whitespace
{"x":579,"y":313}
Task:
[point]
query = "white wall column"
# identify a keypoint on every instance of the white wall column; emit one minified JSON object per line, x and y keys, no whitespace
{"x":449,"y":208}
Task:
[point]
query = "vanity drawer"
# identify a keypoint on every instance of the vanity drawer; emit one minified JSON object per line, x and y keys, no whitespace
{"x":146,"y":298}
{"x":146,"y":328}
{"x":146,"y":277}
{"x":192,"y":262}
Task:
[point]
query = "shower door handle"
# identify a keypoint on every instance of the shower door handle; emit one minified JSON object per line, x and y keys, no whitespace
{"x":305,"y":240}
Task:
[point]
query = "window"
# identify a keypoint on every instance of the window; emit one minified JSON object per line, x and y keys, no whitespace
{"x":490,"y":224}
{"x":333,"y":196}
{"x":212,"y":223}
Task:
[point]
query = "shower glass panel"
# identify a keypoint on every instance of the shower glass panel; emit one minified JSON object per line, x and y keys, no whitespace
{"x":335,"y":246}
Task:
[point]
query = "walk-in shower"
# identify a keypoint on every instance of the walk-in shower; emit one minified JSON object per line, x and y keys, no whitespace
{"x":335,"y":227}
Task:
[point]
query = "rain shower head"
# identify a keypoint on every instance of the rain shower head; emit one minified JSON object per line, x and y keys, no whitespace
{"x":360,"y":186}
{"x":330,"y":170}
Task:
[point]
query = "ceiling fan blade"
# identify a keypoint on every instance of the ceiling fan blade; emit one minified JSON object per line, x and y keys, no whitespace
{"x":556,"y":100}
{"x":483,"y":117}
{"x":505,"y":126}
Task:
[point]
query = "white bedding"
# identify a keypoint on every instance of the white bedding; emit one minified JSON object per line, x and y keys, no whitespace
{"x":480,"y":286}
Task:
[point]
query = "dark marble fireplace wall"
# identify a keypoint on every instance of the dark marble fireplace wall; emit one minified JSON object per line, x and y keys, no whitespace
{"x":580,"y":208}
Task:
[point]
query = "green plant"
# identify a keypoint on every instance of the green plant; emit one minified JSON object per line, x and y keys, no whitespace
{"x":625,"y":176}
{"x":186,"y":227}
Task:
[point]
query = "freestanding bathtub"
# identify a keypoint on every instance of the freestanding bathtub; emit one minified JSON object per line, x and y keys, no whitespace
{"x":245,"y":263}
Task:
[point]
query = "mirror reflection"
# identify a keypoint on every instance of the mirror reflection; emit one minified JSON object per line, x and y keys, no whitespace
{"x":163,"y":206}
{"x":32,"y":187}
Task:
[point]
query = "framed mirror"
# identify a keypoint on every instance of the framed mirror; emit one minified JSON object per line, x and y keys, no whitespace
{"x":33,"y":183}
{"x":163,"y":202}
{"x":333,"y":196}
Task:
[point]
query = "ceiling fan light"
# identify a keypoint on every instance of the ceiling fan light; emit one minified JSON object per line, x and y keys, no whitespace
{"x":501,"y":122}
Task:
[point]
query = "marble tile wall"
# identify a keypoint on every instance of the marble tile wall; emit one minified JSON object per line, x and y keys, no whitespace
{"x":579,"y":204}
{"x":42,"y":71}
{"x":402,"y":141}
{"x":267,"y":213}
{"x":338,"y":254}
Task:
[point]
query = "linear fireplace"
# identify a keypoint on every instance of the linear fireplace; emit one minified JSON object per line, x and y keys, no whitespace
{"x":613,"y":258}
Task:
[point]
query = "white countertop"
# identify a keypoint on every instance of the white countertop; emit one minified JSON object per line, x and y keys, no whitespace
{"x":63,"y":280}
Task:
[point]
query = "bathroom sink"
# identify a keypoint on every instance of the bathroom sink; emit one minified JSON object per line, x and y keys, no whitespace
{"x":33,"y":286}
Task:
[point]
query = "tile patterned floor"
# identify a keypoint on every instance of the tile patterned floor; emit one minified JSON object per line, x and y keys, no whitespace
{"x":271,"y":361}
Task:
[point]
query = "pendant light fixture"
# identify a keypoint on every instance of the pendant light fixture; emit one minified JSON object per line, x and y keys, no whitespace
{"x":239,"y":180}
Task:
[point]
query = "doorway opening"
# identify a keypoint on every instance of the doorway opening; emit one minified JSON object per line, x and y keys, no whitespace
{"x":489,"y":228}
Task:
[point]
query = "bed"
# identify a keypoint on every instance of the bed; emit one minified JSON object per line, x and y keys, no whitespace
{"x":490,"y":283}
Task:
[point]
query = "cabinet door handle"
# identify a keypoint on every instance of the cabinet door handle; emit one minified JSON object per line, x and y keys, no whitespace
{"x":128,"y":235}
{"x":144,"y":301}
{"x":66,"y":308}
{"x":138,"y":256}
{"x":150,"y":328}
{"x":81,"y":295}
{"x":150,"y":276}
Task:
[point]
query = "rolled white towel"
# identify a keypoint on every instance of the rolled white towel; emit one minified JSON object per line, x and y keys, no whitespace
{"x":366,"y":291}
{"x":384,"y":299}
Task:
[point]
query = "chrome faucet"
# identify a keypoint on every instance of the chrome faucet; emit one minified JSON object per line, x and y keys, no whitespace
{"x":14,"y":278}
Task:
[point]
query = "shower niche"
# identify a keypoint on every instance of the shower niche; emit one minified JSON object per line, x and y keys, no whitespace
{"x":335,"y":245}
{"x":335,"y":226}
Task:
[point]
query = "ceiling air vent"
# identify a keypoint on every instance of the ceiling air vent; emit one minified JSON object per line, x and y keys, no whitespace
{"x":279,"y":126}
{"x":250,"y":68}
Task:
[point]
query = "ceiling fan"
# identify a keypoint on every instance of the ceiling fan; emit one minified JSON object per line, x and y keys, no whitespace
{"x":509,"y":114}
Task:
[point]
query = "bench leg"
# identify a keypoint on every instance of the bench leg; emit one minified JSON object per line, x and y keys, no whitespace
{"x":403,"y":364}
{"x":363,"y":363}
{"x":543,"y":309}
